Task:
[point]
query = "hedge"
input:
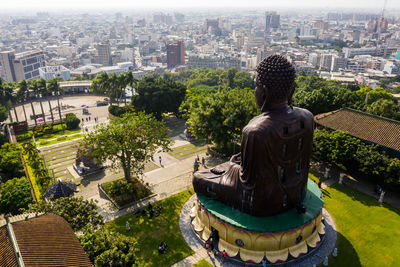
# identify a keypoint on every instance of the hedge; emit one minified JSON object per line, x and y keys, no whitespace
{"x":364,"y":160}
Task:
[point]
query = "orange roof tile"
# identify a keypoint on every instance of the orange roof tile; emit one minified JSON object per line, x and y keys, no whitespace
{"x":7,"y":255}
{"x":49,"y":240}
{"x":368,"y":127}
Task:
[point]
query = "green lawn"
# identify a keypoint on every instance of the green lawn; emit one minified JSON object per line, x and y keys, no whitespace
{"x":203,"y":263}
{"x":59,"y":140}
{"x":183,"y":152}
{"x":369,"y":233}
{"x":148,"y":233}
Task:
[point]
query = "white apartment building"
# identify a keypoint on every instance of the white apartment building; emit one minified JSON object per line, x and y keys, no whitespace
{"x":21,"y":66}
{"x":50,"y":72}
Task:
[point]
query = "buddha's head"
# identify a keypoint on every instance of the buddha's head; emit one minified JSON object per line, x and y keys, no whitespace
{"x":274,"y":81}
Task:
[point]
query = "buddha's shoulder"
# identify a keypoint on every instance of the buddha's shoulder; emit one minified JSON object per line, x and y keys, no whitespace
{"x":303,"y":113}
{"x":267,"y":122}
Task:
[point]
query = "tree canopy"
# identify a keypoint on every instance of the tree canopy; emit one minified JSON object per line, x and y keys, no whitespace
{"x":128,"y":142}
{"x":220,"y":117}
{"x":157,"y":95}
{"x":3,"y":114}
{"x":365,"y":160}
{"x":78,"y":212}
{"x":10,"y":162}
{"x":15,"y":194}
{"x":319,"y":96}
{"x":105,"y":248}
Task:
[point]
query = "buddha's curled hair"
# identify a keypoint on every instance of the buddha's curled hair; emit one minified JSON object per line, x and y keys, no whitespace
{"x":277,"y":76}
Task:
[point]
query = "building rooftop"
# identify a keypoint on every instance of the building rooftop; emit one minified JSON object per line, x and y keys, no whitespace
{"x":365,"y":126}
{"x":6,"y":249}
{"x":47,"y":240}
{"x":75,"y":83}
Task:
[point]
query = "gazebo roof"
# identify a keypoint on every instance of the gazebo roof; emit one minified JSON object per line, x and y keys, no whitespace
{"x":60,"y":189}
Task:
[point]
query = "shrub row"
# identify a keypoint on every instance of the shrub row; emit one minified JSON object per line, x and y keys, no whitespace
{"x":124,"y":193}
{"x":357,"y":157}
{"x":119,"y":111}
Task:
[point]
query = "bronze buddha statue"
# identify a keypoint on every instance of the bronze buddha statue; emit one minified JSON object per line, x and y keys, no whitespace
{"x":270,"y":174}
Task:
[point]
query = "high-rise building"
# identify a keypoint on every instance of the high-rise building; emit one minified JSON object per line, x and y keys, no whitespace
{"x":339,"y":63}
{"x":21,"y":66}
{"x":314,"y":59}
{"x":378,"y":25}
{"x":323,"y":25}
{"x":7,"y":62}
{"x":326,"y":62}
{"x":175,"y":54}
{"x":161,"y":18}
{"x":179,"y":17}
{"x":212,"y":26}
{"x":272,"y":21}
{"x":104,"y":54}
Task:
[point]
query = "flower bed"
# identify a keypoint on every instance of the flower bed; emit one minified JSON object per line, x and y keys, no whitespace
{"x":123,"y":193}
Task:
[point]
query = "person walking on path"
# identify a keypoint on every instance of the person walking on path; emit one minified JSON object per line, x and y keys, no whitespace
{"x":159,"y":158}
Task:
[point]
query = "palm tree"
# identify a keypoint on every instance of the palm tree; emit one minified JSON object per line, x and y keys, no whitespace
{"x":113,"y":86}
{"x":33,"y":86}
{"x":6,"y":97}
{"x":129,"y":80}
{"x":22,"y":94}
{"x":103,"y":83}
{"x":42,"y":89}
{"x":54,"y":87}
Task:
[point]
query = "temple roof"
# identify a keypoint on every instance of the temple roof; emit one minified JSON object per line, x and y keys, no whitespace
{"x":47,"y":240}
{"x":6,"y":249}
{"x":365,"y":126}
{"x":60,"y":189}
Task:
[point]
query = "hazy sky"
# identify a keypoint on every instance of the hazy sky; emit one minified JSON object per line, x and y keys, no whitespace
{"x":158,"y":4}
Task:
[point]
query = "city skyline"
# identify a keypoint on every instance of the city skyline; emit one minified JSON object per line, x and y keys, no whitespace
{"x":159,"y":4}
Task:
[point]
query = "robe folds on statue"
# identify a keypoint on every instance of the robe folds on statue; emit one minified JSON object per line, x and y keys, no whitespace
{"x":270,"y":173}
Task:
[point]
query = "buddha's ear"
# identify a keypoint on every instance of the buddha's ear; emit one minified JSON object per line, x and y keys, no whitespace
{"x":260,"y":96}
{"x":290,"y":96}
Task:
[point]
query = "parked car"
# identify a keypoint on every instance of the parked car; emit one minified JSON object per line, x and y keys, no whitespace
{"x":101,"y":103}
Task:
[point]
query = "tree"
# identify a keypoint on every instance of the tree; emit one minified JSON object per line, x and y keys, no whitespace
{"x":3,"y":114}
{"x":10,"y":161}
{"x":384,"y":82}
{"x":105,"y":248}
{"x":72,"y":121}
{"x":23,"y":95}
{"x":78,"y":212}
{"x":220,"y":117}
{"x":15,"y":195}
{"x":54,"y":87}
{"x":383,"y":107}
{"x":158,"y":95}
{"x":129,"y":80}
{"x":128,"y":142}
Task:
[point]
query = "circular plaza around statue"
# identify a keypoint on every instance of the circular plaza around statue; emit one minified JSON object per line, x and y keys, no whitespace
{"x":279,"y":238}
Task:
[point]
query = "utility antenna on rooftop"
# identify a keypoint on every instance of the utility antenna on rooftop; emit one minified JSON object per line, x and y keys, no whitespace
{"x":383,"y":9}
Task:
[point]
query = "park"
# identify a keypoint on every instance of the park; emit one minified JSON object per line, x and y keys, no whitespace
{"x":144,"y":195}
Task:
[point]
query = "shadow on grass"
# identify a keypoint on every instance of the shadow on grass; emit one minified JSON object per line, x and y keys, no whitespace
{"x":326,"y":193}
{"x":148,"y":233}
{"x":363,"y":198}
{"x":93,"y":177}
{"x":347,"y":255}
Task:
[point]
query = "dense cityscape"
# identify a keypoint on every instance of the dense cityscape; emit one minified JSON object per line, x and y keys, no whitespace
{"x":176,"y":135}
{"x":346,"y":47}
